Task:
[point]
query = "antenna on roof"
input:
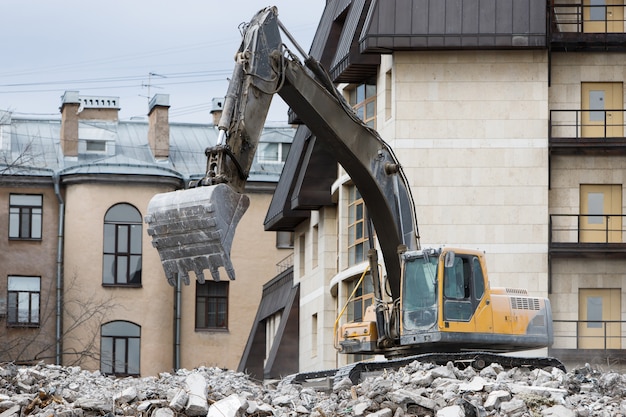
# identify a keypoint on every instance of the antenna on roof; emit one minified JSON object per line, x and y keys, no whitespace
{"x":149,"y":83}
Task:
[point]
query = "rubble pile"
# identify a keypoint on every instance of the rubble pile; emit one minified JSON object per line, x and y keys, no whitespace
{"x":418,"y":389}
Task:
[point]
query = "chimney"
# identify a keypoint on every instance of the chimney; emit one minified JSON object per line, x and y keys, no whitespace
{"x":98,"y":108}
{"x":159,"y":126}
{"x":69,"y":123}
{"x":75,"y":108}
{"x":217,"y":105}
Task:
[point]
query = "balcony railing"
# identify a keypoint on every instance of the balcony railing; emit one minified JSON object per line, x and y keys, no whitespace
{"x":587,"y":124}
{"x":587,"y":131}
{"x":572,"y":16}
{"x":285,"y":263}
{"x":587,"y":228}
{"x":578,"y":26}
{"x":589,"y":334}
{"x":587,"y":235}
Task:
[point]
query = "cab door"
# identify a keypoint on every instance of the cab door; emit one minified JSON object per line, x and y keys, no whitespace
{"x":602,"y":115}
{"x":465,"y":308}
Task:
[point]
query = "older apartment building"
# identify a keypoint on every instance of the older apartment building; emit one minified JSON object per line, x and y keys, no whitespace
{"x":508,"y":118}
{"x":80,"y":281}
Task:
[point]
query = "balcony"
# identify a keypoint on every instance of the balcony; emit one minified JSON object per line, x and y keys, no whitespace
{"x":587,"y":235}
{"x":592,"y":132}
{"x":585,"y":341}
{"x":582,"y":26}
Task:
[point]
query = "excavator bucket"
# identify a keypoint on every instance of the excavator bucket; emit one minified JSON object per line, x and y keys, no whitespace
{"x":193,"y":230}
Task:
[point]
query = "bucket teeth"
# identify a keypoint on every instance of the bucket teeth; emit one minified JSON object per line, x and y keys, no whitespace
{"x":193,"y":230}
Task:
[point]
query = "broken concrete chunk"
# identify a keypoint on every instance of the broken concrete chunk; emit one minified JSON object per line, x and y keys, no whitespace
{"x":196,"y":402}
{"x":228,"y":407}
{"x":180,"y":400}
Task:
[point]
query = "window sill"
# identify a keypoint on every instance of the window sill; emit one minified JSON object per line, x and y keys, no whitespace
{"x":23,"y":325}
{"x":122,"y":285}
{"x":25,"y":239}
{"x":212,"y":330}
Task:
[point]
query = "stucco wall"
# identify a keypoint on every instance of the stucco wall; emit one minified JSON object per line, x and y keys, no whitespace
{"x":149,"y":306}
{"x":35,"y":258}
{"x":254,"y":256}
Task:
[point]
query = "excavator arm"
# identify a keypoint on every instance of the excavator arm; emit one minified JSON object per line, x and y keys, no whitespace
{"x":265,"y":67}
{"x":193,"y":229}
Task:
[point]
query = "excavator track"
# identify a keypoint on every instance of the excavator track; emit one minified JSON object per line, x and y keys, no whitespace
{"x":358,"y":371}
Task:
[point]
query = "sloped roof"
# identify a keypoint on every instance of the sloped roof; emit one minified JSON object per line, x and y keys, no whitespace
{"x":32,"y":147}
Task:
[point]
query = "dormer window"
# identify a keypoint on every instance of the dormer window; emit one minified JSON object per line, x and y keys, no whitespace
{"x":99,"y":146}
{"x":273,"y":152}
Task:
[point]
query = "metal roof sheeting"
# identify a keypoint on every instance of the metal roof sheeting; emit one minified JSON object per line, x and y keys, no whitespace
{"x":35,"y":148}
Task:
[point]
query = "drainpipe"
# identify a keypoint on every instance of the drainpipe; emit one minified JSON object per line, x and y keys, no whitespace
{"x":178,"y":306}
{"x":177,"y":317}
{"x":59,"y":286}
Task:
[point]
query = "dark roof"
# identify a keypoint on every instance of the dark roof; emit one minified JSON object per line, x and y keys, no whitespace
{"x":351,"y":36}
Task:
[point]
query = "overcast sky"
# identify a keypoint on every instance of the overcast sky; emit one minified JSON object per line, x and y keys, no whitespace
{"x":110,"y":48}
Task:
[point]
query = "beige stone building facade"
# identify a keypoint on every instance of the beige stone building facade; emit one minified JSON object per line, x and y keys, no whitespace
{"x":81,"y":282}
{"x":508,"y":119}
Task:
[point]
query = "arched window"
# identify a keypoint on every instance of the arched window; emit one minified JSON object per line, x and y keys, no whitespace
{"x":120,"y":348}
{"x":122,"y":246}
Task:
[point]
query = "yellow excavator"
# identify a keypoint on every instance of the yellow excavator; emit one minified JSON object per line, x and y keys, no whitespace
{"x":431,"y":300}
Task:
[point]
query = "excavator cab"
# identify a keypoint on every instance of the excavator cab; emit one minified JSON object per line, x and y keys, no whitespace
{"x":447,"y":305}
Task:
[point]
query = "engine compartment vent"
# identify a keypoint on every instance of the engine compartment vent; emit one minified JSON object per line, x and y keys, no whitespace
{"x":517,"y":291}
{"x":525,"y":303}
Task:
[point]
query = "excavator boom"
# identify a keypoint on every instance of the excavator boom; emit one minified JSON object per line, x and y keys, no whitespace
{"x":264,"y":67}
{"x":439,"y":300}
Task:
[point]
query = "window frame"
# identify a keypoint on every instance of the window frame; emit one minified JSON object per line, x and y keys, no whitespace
{"x":205,"y":300}
{"x":362,"y":98}
{"x":357,"y":230}
{"x":96,"y":146}
{"x":281,"y":152}
{"x":127,"y":234}
{"x":131,"y":340}
{"x":22,"y":211}
{"x":363,"y":298}
{"x":33,"y":296}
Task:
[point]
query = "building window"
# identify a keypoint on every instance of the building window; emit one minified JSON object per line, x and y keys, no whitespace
{"x":120,"y":348}
{"x":301,"y":254}
{"x":315,"y":246}
{"x":358,"y":243}
{"x":24,"y":295}
{"x":212,"y":305}
{"x":98,"y":146}
{"x":273,"y":152}
{"x":314,"y":336}
{"x":272,"y":324}
{"x":363,"y":297}
{"x":362,"y":98}
{"x":25,"y":216}
{"x":284,"y":240}
{"x":122,"y":246}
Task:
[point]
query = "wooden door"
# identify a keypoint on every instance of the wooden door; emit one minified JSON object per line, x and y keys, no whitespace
{"x":602,"y":115}
{"x":603,"y":16}
{"x":600,"y":209}
{"x":601,"y":304}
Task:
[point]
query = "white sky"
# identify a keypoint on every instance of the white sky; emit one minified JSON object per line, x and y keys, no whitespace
{"x":109,"y":48}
